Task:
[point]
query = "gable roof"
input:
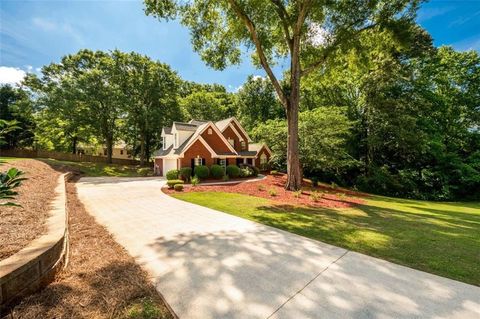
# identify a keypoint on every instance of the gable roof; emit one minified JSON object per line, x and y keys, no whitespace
{"x":200,"y":130}
{"x":223,"y":124}
{"x":197,"y":122}
{"x":180,"y":126}
{"x":257,"y":147}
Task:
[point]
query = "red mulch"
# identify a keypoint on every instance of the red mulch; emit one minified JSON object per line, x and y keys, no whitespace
{"x":328,"y":197}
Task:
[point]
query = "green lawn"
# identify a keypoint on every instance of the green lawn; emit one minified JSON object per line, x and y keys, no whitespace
{"x":95,"y":169}
{"x":440,"y":238}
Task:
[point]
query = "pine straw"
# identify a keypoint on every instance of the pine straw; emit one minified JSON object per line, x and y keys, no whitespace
{"x":101,"y":280}
{"x":20,"y":225}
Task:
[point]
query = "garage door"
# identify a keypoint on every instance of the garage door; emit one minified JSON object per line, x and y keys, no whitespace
{"x":169,"y":164}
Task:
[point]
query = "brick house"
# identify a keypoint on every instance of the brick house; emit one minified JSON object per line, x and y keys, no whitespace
{"x":206,"y":143}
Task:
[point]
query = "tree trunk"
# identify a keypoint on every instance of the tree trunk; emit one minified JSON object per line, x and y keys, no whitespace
{"x":142,"y":149}
{"x":109,"y":142}
{"x":74,"y":145}
{"x":294,"y":174}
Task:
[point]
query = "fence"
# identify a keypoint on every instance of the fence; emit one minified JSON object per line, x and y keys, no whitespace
{"x":65,"y":156}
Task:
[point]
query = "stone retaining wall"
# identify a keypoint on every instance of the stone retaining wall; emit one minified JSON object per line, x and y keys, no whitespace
{"x":35,"y":266}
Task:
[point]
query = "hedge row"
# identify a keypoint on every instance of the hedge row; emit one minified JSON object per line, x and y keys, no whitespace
{"x":215,"y":171}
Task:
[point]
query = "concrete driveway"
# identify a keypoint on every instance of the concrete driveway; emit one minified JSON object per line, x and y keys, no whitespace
{"x":209,"y":264}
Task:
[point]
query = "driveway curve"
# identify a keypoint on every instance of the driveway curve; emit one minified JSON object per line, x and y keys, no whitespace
{"x":208,"y":264}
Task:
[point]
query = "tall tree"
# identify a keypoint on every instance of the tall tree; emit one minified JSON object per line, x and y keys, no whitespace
{"x":151,"y":90}
{"x":257,"y":102}
{"x":305,"y":32}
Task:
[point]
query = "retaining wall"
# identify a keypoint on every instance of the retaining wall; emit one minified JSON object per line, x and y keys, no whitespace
{"x":35,"y":266}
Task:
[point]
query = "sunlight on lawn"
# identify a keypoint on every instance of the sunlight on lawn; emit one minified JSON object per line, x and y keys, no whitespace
{"x":441,"y":238}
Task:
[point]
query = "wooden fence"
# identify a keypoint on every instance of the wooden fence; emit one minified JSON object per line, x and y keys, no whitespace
{"x":66,"y":156}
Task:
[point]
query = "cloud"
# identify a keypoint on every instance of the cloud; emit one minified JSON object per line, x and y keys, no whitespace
{"x":472,"y":43}
{"x":44,"y":24}
{"x":11,"y":75}
{"x":426,"y":14}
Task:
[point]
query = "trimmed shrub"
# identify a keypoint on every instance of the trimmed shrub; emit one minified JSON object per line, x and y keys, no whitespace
{"x":246,"y":172}
{"x":178,"y":187}
{"x":217,"y":171}
{"x":172,"y":174}
{"x":256,"y":171}
{"x":201,"y":171}
{"x":225,"y":178}
{"x":233,"y":171}
{"x":171,"y":183}
{"x":195,"y":181}
{"x":185,"y":173}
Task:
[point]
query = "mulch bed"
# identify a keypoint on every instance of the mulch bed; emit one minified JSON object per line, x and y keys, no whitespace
{"x":328,"y":197}
{"x":20,"y":225}
{"x":101,"y":281}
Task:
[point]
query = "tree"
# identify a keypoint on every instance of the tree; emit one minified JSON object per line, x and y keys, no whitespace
{"x":323,"y":135}
{"x":16,"y":105}
{"x":257,"y":102}
{"x":305,"y":32}
{"x":151,"y":90}
{"x":204,"y":105}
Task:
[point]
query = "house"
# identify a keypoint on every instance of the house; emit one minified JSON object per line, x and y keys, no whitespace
{"x":206,"y":143}
{"x":119,"y":150}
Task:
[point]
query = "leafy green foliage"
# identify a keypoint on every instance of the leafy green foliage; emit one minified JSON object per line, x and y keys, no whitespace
{"x":10,"y":180}
{"x":178,"y":187}
{"x":233,"y":171}
{"x":185,"y":173}
{"x":195,"y":181}
{"x":201,"y":171}
{"x":217,"y":171}
{"x":172,"y":174}
{"x":172,"y":182}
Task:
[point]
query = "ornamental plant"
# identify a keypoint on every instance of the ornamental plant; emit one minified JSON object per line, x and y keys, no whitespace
{"x":201,"y":171}
{"x":233,"y":171}
{"x":171,"y":183}
{"x":185,"y":173}
{"x":173,"y":174}
{"x":10,"y":180}
{"x":217,"y":171}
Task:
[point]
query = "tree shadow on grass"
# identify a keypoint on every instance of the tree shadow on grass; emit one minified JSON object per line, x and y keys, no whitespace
{"x":436,"y":241}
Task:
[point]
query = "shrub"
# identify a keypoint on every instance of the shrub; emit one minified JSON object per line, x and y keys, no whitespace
{"x":272,"y":192}
{"x":178,"y":187}
{"x":315,"y":196}
{"x":297,"y":194}
{"x":186,"y":173}
{"x":256,"y":171}
{"x":233,"y":171}
{"x":201,"y":171}
{"x":334,"y":185}
{"x":225,"y":178}
{"x":261,"y":187}
{"x":274,"y":172}
{"x":10,"y":180}
{"x":314,"y":180}
{"x":195,"y":181}
{"x":217,"y":171}
{"x":172,"y":174}
{"x":246,"y":172}
{"x":171,"y":183}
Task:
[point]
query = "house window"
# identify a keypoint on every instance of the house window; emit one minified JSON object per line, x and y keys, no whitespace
{"x":105,"y":151}
{"x":176,"y":140}
{"x":231,"y":141}
{"x":210,"y":131}
{"x":164,"y":143}
{"x":243,"y":145}
{"x":263,"y":159}
{"x":197,"y":161}
{"x":121,"y":152}
{"x":222,"y":162}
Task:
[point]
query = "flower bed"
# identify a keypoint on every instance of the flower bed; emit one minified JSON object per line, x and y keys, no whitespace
{"x":272,"y":187}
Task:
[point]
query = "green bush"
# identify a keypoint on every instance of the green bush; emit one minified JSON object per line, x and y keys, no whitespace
{"x":10,"y":180}
{"x":172,"y":174}
{"x":185,"y":173}
{"x":195,"y":181}
{"x":274,"y":172}
{"x":217,"y":171}
{"x":178,"y":187}
{"x":246,"y":172}
{"x":272,"y":192}
{"x":256,"y":171}
{"x":171,"y":183}
{"x":201,"y":171}
{"x":233,"y":171}
{"x":225,"y":178}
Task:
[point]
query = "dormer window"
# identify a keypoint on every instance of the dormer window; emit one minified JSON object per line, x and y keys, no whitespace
{"x":176,"y":141}
{"x":210,"y":131}
{"x":164,"y":143}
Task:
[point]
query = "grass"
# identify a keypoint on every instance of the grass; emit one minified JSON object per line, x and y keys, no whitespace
{"x":440,"y":238}
{"x":94,"y":169}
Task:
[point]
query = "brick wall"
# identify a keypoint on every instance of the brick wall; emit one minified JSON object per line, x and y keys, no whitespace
{"x":197,"y":149}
